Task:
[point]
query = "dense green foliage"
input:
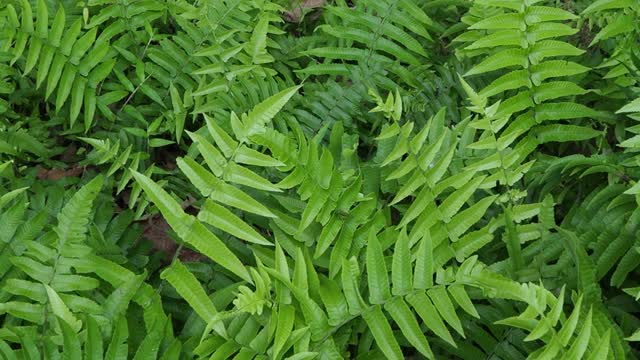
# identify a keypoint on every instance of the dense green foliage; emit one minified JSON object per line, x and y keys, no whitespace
{"x":375,"y":179}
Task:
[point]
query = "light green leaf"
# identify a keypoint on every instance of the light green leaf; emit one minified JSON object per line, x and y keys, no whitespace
{"x":226,"y":144}
{"x":564,"y":133}
{"x":443,"y":304}
{"x":241,"y":175}
{"x":463,"y":220}
{"x":402,"y":315}
{"x":502,"y":21}
{"x":286,"y":317}
{"x":328,"y":235}
{"x":350,"y":285}
{"x":74,"y":216}
{"x":510,"y":81}
{"x":267,"y":110}
{"x":192,"y":291}
{"x":401,"y":276}
{"x":602,"y":348}
{"x":246,"y":155}
{"x":190,"y":229}
{"x":500,"y":60}
{"x":634,"y":337}
{"x":459,"y":294}
{"x":377,"y":276}
{"x":214,"y":159}
{"x":580,"y":344}
{"x":93,"y":345}
{"x":220,"y":191}
{"x":118,"y":348}
{"x":601,"y":5}
{"x":452,"y":204}
{"x":381,"y":330}
{"x":118,"y":301}
{"x":423,"y":273}
{"x":565,"y":334}
{"x":632,"y":107}
{"x":10,"y":195}
{"x":227,"y":221}
{"x":313,"y":208}
{"x":61,"y":310}
{"x":70,"y":342}
{"x":429,"y":315}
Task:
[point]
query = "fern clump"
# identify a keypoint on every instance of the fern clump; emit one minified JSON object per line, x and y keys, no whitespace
{"x":255,"y":179}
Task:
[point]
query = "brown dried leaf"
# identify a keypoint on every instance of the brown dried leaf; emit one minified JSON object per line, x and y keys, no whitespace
{"x":157,"y":231}
{"x":57,"y":174}
{"x":298,"y":8}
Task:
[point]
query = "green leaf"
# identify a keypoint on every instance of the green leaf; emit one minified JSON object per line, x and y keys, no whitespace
{"x":454,"y":202}
{"x":580,"y":344}
{"x":313,"y":208}
{"x":510,"y":81}
{"x":501,"y":21}
{"x":23,"y":310}
{"x":150,"y":345}
{"x":226,"y":144}
{"x":118,"y":348}
{"x":423,"y":273}
{"x":62,"y":311}
{"x":401,"y":277}
{"x":157,"y":142}
{"x":377,"y":277}
{"x":214,"y":159}
{"x":248,"y":156}
{"x":328,"y":234}
{"x":118,"y":301}
{"x":500,"y":60}
{"x":632,"y":107}
{"x":74,"y":216}
{"x":31,"y":350}
{"x":191,"y":230}
{"x":555,"y":68}
{"x":381,"y":330}
{"x":71,"y":341}
{"x":564,"y":335}
{"x":225,"y":220}
{"x":602,"y":348}
{"x":8,"y":196}
{"x":564,"y":133}
{"x":601,"y":5}
{"x":65,"y":85}
{"x":441,"y":301}
{"x":403,"y":316}
{"x":240,"y":175}
{"x":350,"y":286}
{"x":620,"y":25}
{"x":93,"y":345}
{"x":555,"y":89}
{"x":562,"y":111}
{"x":264,"y":112}
{"x":634,"y":337}
{"x":285,"y":320}
{"x":190,"y":289}
{"x":429,"y":315}
{"x":463,"y":220}
{"x":220,"y":191}
{"x":257,"y":46}
{"x":459,"y":294}
{"x":6,"y":351}
{"x":334,"y":301}
{"x":213,"y":87}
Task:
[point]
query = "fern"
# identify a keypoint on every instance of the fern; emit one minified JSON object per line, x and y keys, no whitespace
{"x":254,"y":179}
